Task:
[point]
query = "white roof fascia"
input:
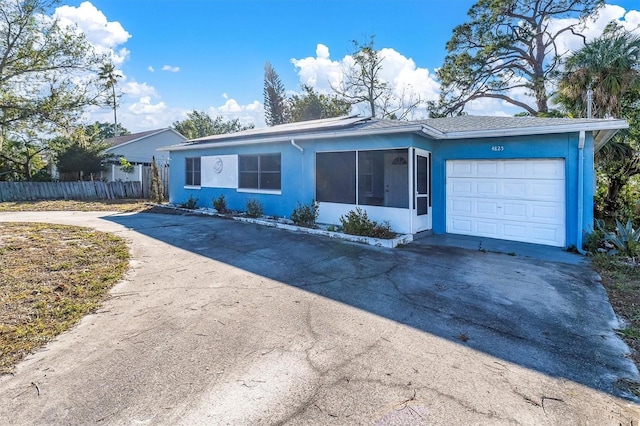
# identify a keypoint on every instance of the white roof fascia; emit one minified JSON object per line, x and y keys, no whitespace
{"x":417,"y":128}
{"x":540,"y":130}
{"x":299,"y":137}
{"x":144,"y":137}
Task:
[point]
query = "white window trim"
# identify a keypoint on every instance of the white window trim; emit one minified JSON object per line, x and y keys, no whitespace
{"x":192,"y":187}
{"x":260,"y":191}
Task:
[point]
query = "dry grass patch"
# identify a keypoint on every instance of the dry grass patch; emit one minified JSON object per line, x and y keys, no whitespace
{"x":122,"y":206}
{"x":622,"y":283}
{"x":50,"y":277}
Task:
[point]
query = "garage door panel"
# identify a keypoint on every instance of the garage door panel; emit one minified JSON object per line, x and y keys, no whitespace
{"x":511,"y":169}
{"x":552,"y":190}
{"x":487,"y":208}
{"x":515,"y":211}
{"x":461,"y":226}
{"x":515,"y":231}
{"x":485,"y":188}
{"x":521,"y":200}
{"x":489,"y":229}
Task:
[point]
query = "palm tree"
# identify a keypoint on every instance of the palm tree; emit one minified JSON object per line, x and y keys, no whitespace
{"x":606,"y":73}
{"x":609,"y":66}
{"x":108,"y":75}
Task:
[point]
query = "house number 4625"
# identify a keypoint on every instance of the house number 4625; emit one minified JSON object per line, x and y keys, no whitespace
{"x":497,"y":148}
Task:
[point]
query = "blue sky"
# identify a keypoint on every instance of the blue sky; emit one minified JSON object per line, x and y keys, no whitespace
{"x":213,"y":51}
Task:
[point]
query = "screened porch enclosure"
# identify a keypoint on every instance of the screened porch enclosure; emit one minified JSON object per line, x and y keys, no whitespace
{"x":366,"y":178}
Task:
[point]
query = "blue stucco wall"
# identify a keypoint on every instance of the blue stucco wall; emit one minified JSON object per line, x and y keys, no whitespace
{"x":563,"y":146}
{"x":298,"y":170}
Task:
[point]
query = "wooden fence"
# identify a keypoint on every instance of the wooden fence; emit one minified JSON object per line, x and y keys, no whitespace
{"x":27,"y":191}
{"x":163,"y":172}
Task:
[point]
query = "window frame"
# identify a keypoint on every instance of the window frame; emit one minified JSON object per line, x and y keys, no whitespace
{"x":191,"y":172}
{"x":260,"y":173}
{"x":358,"y":154}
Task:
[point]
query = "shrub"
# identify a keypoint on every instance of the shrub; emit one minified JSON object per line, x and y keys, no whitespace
{"x":220,"y":204}
{"x":254,"y":208}
{"x":358,"y":223}
{"x":190,"y":204}
{"x":305,"y":214}
{"x":157,"y":188}
{"x":625,"y":239}
{"x":594,"y":241}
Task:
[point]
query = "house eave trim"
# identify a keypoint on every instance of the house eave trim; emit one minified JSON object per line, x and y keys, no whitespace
{"x":297,"y":138}
{"x":612,"y":125}
{"x":420,"y":129}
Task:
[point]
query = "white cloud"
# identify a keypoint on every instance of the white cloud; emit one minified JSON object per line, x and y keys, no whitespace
{"x":150,"y":68}
{"x":405,"y":78}
{"x":135,"y":90}
{"x":144,"y":106}
{"x":105,"y":36}
{"x":252,"y":112}
{"x":320,"y":72}
{"x":594,"y":26}
{"x":170,"y":68}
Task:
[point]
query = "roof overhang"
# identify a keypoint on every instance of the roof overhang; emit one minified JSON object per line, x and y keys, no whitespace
{"x":603,"y":131}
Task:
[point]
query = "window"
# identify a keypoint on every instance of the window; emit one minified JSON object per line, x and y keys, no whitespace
{"x":260,"y":171}
{"x":193,"y":171}
{"x":382,"y":177}
{"x":336,"y":177}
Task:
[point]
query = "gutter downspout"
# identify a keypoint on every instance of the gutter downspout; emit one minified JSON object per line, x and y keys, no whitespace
{"x":295,"y":145}
{"x":580,"y":191}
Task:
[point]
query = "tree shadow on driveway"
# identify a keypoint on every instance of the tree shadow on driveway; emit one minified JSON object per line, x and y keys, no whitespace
{"x":550,"y":317}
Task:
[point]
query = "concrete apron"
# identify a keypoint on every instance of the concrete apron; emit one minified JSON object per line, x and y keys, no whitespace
{"x":221,"y":322}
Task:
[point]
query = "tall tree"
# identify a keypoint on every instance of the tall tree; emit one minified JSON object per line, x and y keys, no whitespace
{"x":199,"y":124}
{"x":311,"y":105}
{"x":102,"y":131}
{"x":275,"y":100}
{"x":609,"y":66}
{"x":363,"y":84}
{"x":79,"y":154}
{"x":508,"y":46}
{"x":47,"y":77}
{"x":107,"y":74}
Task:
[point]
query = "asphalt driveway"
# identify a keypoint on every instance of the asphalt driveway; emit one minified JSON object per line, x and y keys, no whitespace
{"x":222,"y":322}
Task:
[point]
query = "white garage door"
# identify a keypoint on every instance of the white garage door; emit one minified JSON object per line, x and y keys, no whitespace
{"x":519,"y":200}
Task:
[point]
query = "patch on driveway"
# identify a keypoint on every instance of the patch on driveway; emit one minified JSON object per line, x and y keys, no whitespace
{"x":229,"y":323}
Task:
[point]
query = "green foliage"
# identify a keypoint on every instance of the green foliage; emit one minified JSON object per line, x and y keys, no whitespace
{"x":199,"y":124}
{"x":311,"y":105}
{"x":157,"y":188}
{"x":190,"y":204}
{"x":21,"y":160}
{"x":500,"y":49}
{"x":306,"y":214}
{"x":625,"y":239}
{"x":47,"y":72}
{"x":594,"y":241}
{"x":79,"y":155}
{"x":275,"y":100}
{"x":109,"y":78}
{"x":220,"y":204}
{"x":101,"y":131}
{"x":609,"y":65}
{"x":126,"y":166}
{"x":357,"y":222}
{"x":254,"y":208}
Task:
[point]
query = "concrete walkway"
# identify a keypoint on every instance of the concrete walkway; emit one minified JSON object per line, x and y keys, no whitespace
{"x":222,"y":322}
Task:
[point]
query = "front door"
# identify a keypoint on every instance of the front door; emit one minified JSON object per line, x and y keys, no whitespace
{"x":422,"y":190}
{"x":396,"y":180}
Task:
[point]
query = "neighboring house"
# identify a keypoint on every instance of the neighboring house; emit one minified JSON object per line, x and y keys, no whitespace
{"x":515,"y":178}
{"x":138,"y":149}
